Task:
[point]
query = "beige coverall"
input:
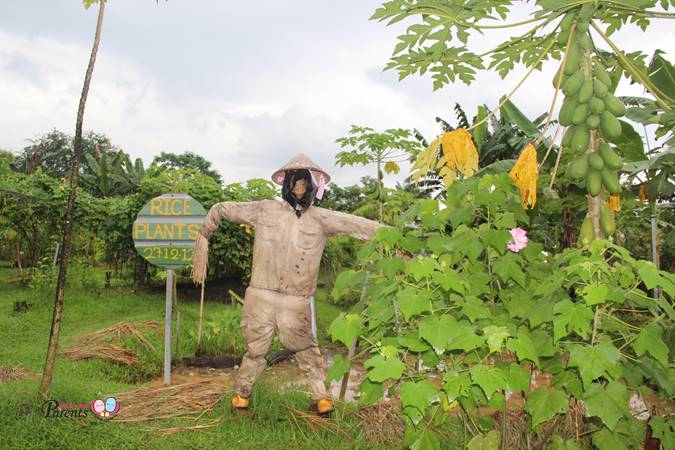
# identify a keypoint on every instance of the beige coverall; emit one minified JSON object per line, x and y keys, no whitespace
{"x":286,"y":256}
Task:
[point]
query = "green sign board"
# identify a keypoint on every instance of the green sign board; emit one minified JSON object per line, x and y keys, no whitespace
{"x":166,"y":229}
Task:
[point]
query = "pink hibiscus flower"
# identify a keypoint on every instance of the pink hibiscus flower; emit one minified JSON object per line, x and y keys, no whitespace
{"x":519,"y":239}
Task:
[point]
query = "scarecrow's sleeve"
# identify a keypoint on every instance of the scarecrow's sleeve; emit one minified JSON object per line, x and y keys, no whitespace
{"x":235,"y":212}
{"x":337,"y":223}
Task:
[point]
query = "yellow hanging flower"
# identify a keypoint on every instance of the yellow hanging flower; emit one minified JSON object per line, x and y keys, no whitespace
{"x":525,"y":174}
{"x":643,"y":193}
{"x":391,"y":167}
{"x":459,"y":151}
{"x":614,"y":203}
{"x":459,"y":154}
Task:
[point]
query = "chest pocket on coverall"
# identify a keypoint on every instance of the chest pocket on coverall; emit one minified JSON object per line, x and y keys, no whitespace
{"x":309,"y":237}
{"x":268,"y":230}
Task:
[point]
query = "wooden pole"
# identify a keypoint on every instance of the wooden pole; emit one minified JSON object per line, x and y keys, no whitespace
{"x":52,"y":347}
{"x":201,"y":319}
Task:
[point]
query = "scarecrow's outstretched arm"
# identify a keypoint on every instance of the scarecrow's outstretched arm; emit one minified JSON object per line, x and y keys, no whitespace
{"x":337,"y":223}
{"x":236,"y":212}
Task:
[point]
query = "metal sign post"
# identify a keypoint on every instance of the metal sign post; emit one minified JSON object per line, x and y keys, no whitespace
{"x":167,"y":327}
{"x":164,"y":234}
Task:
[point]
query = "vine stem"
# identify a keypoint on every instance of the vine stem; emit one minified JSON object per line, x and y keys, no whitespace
{"x":550,"y":147}
{"x":561,"y":72}
{"x":634,"y":71}
{"x":557,"y":165}
{"x":513,"y":91}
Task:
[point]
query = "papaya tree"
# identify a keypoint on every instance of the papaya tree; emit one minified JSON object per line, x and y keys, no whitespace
{"x":385,"y":149}
{"x":571,"y":31}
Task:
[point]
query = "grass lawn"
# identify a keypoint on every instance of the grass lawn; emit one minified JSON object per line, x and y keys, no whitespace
{"x":24,"y":338}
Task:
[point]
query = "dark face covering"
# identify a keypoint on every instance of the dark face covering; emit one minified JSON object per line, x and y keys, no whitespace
{"x":290,"y":179}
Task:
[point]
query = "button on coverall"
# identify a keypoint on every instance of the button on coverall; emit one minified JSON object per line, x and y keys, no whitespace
{"x":286,"y":256}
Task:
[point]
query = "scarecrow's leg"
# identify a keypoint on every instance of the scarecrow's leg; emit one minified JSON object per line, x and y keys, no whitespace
{"x":257,"y":326}
{"x":295,"y":331}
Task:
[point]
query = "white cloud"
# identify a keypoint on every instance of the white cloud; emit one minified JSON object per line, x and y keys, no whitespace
{"x":244,"y":85}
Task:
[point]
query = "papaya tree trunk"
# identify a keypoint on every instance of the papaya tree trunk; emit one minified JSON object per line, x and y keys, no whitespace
{"x":68,"y":219}
{"x":595,"y":203}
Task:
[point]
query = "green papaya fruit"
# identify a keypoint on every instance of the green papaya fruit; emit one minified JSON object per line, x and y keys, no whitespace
{"x":586,"y":91}
{"x":585,"y":41}
{"x":596,"y":161}
{"x":582,"y":26}
{"x":581,"y":138}
{"x":573,"y":57}
{"x":586,"y":233}
{"x":567,"y":111}
{"x":559,"y":74}
{"x":599,"y":89}
{"x":578,"y":168}
{"x":601,"y":74}
{"x":607,"y":223}
{"x":610,"y":179}
{"x":593,"y":181}
{"x":593,"y":121}
{"x":563,"y":37}
{"x":580,"y":114}
{"x":567,"y":21}
{"x":614,"y":105}
{"x":573,"y":83}
{"x":609,"y":156}
{"x":597,"y":106}
{"x":610,"y":126}
{"x":586,"y":12}
{"x":567,"y":137}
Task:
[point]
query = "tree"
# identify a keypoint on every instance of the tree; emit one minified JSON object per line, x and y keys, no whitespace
{"x":70,"y":210}
{"x":385,"y":149}
{"x":53,"y":152}
{"x":187,"y":160}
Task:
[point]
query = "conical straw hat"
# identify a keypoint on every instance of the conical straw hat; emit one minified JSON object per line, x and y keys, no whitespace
{"x":300,"y":161}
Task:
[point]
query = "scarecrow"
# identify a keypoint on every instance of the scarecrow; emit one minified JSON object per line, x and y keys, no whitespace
{"x":289,"y":240}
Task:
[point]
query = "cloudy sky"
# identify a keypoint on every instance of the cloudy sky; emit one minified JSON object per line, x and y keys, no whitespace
{"x":246,"y":85}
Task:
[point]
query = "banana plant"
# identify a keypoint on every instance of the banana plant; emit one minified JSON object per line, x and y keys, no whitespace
{"x":106,"y":174}
{"x":136,"y":171}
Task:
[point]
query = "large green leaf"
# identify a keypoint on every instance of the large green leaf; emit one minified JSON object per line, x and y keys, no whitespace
{"x":488,"y":441}
{"x":649,"y":341}
{"x":571,"y":317}
{"x":384,"y":368}
{"x":455,"y":384}
{"x":606,"y":440}
{"x":663,"y":430}
{"x":495,"y":337}
{"x":610,"y":403}
{"x":512,"y":113}
{"x":419,"y":395}
{"x":370,"y":391}
{"x":437,"y":330}
{"x":523,"y":347}
{"x":420,"y":267}
{"x":596,"y":361}
{"x":490,"y":379}
{"x":543,"y":404}
{"x":594,"y":294}
{"x":345,"y":328}
{"x":413,"y":301}
{"x":630,"y":143}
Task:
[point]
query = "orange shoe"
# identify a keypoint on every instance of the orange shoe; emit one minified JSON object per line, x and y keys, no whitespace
{"x":239,"y":402}
{"x":324,"y":407}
